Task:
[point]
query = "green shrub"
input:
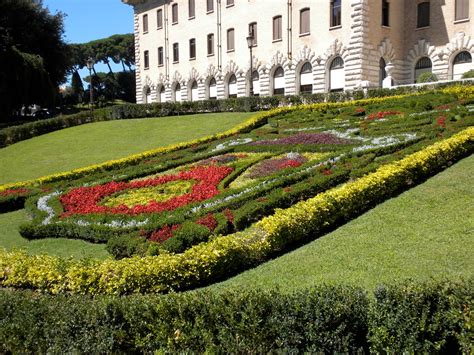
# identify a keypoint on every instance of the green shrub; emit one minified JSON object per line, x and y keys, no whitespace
{"x":426,"y":77}
{"x":429,"y":318}
{"x":408,"y":318}
{"x":187,"y":235}
{"x":469,"y":74}
{"x":125,"y":246}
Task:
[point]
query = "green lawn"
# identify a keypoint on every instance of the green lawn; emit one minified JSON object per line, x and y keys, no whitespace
{"x":11,"y":239}
{"x":98,"y":142}
{"x":427,"y":232}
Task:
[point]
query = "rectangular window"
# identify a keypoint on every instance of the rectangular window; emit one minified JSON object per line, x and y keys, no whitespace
{"x":423,"y":14}
{"x":174,"y":13}
{"x":159,"y":18}
{"x":462,"y":10}
{"x":230,"y":40}
{"x":210,"y":44}
{"x":145,"y":23}
{"x":336,"y":13}
{"x":192,"y":48}
{"x":146,"y":60}
{"x":210,"y":5}
{"x":277,"y":28}
{"x":191,"y":8}
{"x":385,"y":13}
{"x":253,"y":33}
{"x":230,"y":3}
{"x":304,"y":21}
{"x":160,"y":56}
{"x":175,"y":52}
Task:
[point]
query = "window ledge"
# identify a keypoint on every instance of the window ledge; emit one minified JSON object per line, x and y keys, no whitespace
{"x":176,"y":62}
{"x":160,"y":65}
{"x":209,"y":12}
{"x":386,"y":27}
{"x":174,"y":23}
{"x":211,"y":55}
{"x":159,"y":28}
{"x":145,"y":32}
{"x":422,"y":28}
{"x":231,"y":5}
{"x":191,"y":18}
{"x":305,"y":34}
{"x":146,"y":68}
{"x":335,"y":27}
{"x":461,"y":21}
{"x":190,"y":59}
{"x":277,"y":40}
{"x":230,"y":50}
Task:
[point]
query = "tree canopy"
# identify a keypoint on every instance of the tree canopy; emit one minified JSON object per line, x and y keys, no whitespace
{"x":34,"y":58}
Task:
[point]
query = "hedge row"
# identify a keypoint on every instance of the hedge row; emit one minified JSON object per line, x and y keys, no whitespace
{"x":18,"y":133}
{"x":225,"y":256}
{"x":409,"y":318}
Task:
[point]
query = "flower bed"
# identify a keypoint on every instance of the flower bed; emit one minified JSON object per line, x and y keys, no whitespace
{"x":305,"y":138}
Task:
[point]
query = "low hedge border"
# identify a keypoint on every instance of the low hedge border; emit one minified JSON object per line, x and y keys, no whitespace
{"x":433,"y":317}
{"x":225,"y":256}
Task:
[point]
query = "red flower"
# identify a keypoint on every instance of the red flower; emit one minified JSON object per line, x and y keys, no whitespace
{"x":14,"y":192}
{"x":441,"y":122}
{"x":85,"y":200}
{"x":209,"y":221}
{"x":229,"y":215}
{"x":165,"y":233}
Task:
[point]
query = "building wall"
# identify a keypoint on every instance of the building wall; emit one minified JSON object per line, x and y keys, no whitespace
{"x":361,"y":41}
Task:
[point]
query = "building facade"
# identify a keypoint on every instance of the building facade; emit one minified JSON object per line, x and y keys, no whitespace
{"x":200,"y":49}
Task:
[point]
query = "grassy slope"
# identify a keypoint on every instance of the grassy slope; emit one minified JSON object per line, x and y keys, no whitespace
{"x":10,"y":239}
{"x":427,"y":232}
{"x":97,"y":142}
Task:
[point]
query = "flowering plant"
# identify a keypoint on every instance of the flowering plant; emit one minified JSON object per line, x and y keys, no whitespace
{"x":86,"y":200}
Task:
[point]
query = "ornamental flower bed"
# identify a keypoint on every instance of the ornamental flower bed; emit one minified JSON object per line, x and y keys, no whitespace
{"x":305,"y":138}
{"x":86,"y":200}
{"x":170,"y":201}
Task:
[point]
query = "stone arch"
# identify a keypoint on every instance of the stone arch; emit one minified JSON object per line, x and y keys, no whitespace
{"x":423,"y":49}
{"x":279,"y":60}
{"x":386,"y":50}
{"x":336,"y":49}
{"x":459,"y":43}
{"x":303,"y":56}
{"x":148,"y":89}
{"x":260,"y":69}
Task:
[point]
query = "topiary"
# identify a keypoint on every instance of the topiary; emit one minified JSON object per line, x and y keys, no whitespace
{"x":427,"y":77}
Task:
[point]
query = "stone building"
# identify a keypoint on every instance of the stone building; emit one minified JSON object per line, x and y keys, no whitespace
{"x":199,"y":49}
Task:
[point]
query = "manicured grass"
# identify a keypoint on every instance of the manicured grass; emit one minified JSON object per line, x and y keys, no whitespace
{"x":11,"y":239}
{"x":98,"y":142}
{"x":427,"y":232}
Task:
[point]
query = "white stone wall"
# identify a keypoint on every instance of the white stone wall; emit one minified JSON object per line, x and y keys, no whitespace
{"x":361,"y":41}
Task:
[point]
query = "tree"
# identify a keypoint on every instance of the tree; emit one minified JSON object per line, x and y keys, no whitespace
{"x":77,"y":89}
{"x":33,"y":55}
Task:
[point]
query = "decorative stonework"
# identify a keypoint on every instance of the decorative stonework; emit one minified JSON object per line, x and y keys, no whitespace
{"x":231,"y":68}
{"x":386,"y":50}
{"x":458,"y":43}
{"x":177,"y":78}
{"x":278,"y":59}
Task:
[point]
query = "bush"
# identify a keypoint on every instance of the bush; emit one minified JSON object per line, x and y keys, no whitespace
{"x":187,"y":235}
{"x":409,"y":318}
{"x":427,"y":77}
{"x":469,"y":74}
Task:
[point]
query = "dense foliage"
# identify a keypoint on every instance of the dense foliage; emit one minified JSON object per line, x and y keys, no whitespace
{"x":33,"y":56}
{"x":428,"y":318}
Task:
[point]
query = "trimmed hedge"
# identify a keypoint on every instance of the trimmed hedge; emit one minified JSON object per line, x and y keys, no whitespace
{"x":410,"y":318}
{"x":225,"y":256}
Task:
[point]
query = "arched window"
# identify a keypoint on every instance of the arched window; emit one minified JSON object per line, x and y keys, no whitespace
{"x":422,"y":66}
{"x":212,"y":89}
{"x":382,"y":72}
{"x":147,"y":95}
{"x":423,"y":14}
{"x":232,"y":86}
{"x":177,"y":93}
{"x":162,"y":94}
{"x":194,"y":91}
{"x":279,"y":81}
{"x":256,"y":83}
{"x":337,"y":78}
{"x":306,"y":79}
{"x":461,"y":64}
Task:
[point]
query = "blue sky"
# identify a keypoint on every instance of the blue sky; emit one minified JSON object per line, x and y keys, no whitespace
{"x":88,"y":20}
